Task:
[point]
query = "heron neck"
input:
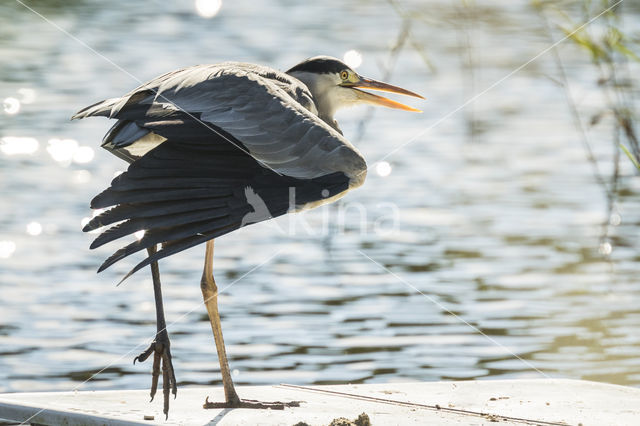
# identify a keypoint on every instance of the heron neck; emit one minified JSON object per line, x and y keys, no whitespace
{"x":319,"y":85}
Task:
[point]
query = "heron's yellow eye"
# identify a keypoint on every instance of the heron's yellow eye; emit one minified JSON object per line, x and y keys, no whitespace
{"x":344,"y":75}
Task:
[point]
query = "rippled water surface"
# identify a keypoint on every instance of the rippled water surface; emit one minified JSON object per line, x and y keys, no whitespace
{"x":470,"y":255}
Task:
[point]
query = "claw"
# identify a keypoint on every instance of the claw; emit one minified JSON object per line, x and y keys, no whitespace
{"x":162,"y":360}
{"x":144,"y":355}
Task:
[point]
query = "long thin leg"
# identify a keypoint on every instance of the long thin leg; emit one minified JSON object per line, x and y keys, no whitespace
{"x":210,"y":295}
{"x":160,"y":347}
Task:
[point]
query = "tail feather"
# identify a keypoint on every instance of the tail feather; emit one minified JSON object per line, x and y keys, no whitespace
{"x":159,"y":235}
{"x":178,"y":246}
{"x":148,"y":210}
{"x":109,"y":197}
{"x":113,"y":106}
{"x":100,"y":109}
{"x":171,"y":220}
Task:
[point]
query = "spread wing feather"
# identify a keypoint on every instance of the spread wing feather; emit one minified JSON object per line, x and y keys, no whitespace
{"x":214,"y":148}
{"x":203,"y":203}
{"x":269,"y":112}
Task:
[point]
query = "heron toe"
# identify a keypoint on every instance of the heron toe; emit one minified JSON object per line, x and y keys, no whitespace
{"x":162,"y":360}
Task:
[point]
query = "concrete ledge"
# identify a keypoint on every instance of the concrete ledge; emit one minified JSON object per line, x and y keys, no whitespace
{"x":517,"y":402}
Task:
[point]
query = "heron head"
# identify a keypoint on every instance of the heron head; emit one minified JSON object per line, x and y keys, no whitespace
{"x":335,"y":85}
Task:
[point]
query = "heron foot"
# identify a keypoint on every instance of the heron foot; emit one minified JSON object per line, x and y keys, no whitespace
{"x":160,"y":348}
{"x":251,"y":403}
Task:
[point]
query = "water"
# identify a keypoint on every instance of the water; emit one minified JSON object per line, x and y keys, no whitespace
{"x":495,"y":265}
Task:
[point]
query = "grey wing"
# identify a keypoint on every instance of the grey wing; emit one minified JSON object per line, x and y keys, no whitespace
{"x":187,"y":191}
{"x":212,"y":149}
{"x":267,"y":113}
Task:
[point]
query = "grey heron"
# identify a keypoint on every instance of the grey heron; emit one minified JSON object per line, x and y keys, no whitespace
{"x":204,"y":143}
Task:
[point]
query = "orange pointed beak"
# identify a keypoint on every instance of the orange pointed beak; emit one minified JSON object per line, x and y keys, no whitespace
{"x":366,"y":83}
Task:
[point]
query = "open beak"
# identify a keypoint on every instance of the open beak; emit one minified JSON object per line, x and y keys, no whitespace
{"x":366,"y":83}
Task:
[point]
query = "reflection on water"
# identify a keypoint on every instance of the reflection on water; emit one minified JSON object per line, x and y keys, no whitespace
{"x":208,"y":8}
{"x":34,"y":229}
{"x":498,"y":234}
{"x":383,"y":168}
{"x":11,"y":106}
{"x":353,"y":58}
{"x":14,"y":145}
{"x":7,"y":248}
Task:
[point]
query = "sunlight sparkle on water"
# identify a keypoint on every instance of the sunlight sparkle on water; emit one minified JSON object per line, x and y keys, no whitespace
{"x":6,"y":249}
{"x":62,"y":150}
{"x":11,"y":105}
{"x":67,"y":150}
{"x":28,"y":95}
{"x":383,"y":168}
{"x":208,"y":8}
{"x":615,"y":219}
{"x":13,"y":145}
{"x":84,"y":154}
{"x":81,"y":176}
{"x":34,"y":229}
{"x":353,"y":58}
{"x":605,"y":248}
